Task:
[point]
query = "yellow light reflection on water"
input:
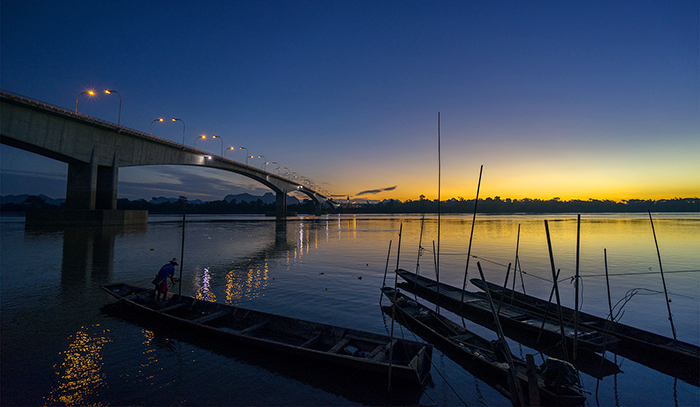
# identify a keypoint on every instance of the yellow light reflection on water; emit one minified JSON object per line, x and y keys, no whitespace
{"x":80,"y":376}
{"x":247,"y":286}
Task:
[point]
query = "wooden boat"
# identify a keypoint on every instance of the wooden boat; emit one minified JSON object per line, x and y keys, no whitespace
{"x":346,"y":350}
{"x":478,"y":355}
{"x":519,"y":321}
{"x":673,"y":357}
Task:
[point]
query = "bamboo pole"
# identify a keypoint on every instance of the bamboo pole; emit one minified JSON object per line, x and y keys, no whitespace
{"x":578,"y":247}
{"x":515,"y":265}
{"x":663,"y":280}
{"x":502,"y":340}
{"x":503,"y":291}
{"x":556,"y":289}
{"x":607,"y":283}
{"x":393,"y":306}
{"x":386,"y":269}
{"x":546,"y":310}
{"x":182,"y":254}
{"x":471,"y":235}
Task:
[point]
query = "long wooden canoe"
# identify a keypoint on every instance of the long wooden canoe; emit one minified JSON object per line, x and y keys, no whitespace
{"x":673,"y":357}
{"x":526,"y":322}
{"x":478,"y":355}
{"x":348,"y":350}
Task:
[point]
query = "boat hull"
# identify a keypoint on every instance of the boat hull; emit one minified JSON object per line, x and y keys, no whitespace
{"x":675,"y":358}
{"x":300,"y":340}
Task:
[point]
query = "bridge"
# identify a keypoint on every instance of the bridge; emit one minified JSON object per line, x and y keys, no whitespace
{"x":95,"y":150}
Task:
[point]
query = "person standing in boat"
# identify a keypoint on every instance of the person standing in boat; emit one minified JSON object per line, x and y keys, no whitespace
{"x":161,"y":280}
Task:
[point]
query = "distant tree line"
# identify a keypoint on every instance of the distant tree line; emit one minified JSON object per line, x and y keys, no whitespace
{"x":458,"y":205}
{"x":526,"y":205}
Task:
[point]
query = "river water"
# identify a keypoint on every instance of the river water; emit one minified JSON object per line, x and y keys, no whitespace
{"x":62,"y":346}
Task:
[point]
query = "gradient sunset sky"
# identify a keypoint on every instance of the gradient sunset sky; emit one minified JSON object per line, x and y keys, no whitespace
{"x":569,"y":99}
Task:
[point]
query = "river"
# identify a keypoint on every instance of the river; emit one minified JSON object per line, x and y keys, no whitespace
{"x":60,"y":345}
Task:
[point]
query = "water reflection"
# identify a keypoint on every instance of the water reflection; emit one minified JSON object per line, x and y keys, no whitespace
{"x":80,"y":376}
{"x":204,"y":291}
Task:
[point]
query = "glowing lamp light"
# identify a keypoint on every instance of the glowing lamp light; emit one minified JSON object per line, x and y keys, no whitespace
{"x":87,"y":92}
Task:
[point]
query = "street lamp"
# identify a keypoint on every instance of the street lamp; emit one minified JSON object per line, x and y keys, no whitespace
{"x":278,"y":168}
{"x":150,"y":132}
{"x":183,"y":129}
{"x":230,"y":148}
{"x":247,"y":154}
{"x":110,"y":91}
{"x":264,"y":167}
{"x":87,"y":92}
{"x":287,"y":171}
{"x":203,"y":137}
{"x":222,"y":144}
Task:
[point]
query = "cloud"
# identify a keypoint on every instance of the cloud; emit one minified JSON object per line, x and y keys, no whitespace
{"x":375,"y":191}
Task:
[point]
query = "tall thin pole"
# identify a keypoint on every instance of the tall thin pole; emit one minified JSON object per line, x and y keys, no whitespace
{"x":420,"y":243}
{"x":386,"y":268}
{"x":393,"y":306}
{"x":469,"y":250}
{"x":182,"y":254}
{"x":607,"y":283}
{"x":658,"y":253}
{"x":502,"y":340}
{"x":578,"y":247}
{"x":556,"y":289}
{"x":437,"y":261}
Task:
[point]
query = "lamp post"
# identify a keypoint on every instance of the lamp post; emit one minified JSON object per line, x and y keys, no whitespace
{"x":109,"y":92}
{"x":203,"y":137}
{"x":87,"y":92}
{"x":247,"y":154}
{"x":264,"y":166}
{"x":222,"y":144}
{"x":278,"y":168}
{"x":183,"y":129}
{"x":287,"y":171}
{"x":230,"y":148}
{"x":150,"y":132}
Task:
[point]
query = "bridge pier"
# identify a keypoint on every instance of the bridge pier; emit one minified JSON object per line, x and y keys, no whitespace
{"x":281,"y":204}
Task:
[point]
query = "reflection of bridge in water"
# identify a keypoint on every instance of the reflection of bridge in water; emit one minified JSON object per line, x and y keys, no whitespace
{"x":88,"y":259}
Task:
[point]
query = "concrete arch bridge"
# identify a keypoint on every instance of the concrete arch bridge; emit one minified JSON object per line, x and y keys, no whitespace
{"x":95,"y":150}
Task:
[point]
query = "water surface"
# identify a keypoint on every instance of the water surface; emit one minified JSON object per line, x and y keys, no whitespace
{"x":60,"y":346}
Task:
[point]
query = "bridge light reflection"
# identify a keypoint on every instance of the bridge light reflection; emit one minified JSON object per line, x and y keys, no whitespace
{"x":87,"y":92}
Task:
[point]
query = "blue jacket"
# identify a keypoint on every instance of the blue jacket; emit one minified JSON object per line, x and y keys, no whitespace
{"x":166,"y":271}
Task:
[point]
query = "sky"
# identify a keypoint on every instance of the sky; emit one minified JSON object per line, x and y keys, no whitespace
{"x":567,"y":99}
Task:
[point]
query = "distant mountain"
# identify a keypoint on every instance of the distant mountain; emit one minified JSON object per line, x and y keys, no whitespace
{"x":18,"y":199}
{"x":162,"y":199}
{"x":268,"y":198}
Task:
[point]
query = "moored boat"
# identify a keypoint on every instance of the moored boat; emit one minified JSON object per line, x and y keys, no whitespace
{"x":517,"y":320}
{"x":673,"y":357}
{"x":351,"y":351}
{"x":482,"y":358}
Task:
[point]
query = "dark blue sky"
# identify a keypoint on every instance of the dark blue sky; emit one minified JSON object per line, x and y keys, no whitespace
{"x":555,"y":98}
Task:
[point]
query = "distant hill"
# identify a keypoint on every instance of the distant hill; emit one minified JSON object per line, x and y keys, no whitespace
{"x":268,"y":198}
{"x":18,"y":199}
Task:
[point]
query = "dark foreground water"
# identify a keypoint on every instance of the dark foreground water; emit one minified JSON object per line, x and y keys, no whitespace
{"x":62,"y":344}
